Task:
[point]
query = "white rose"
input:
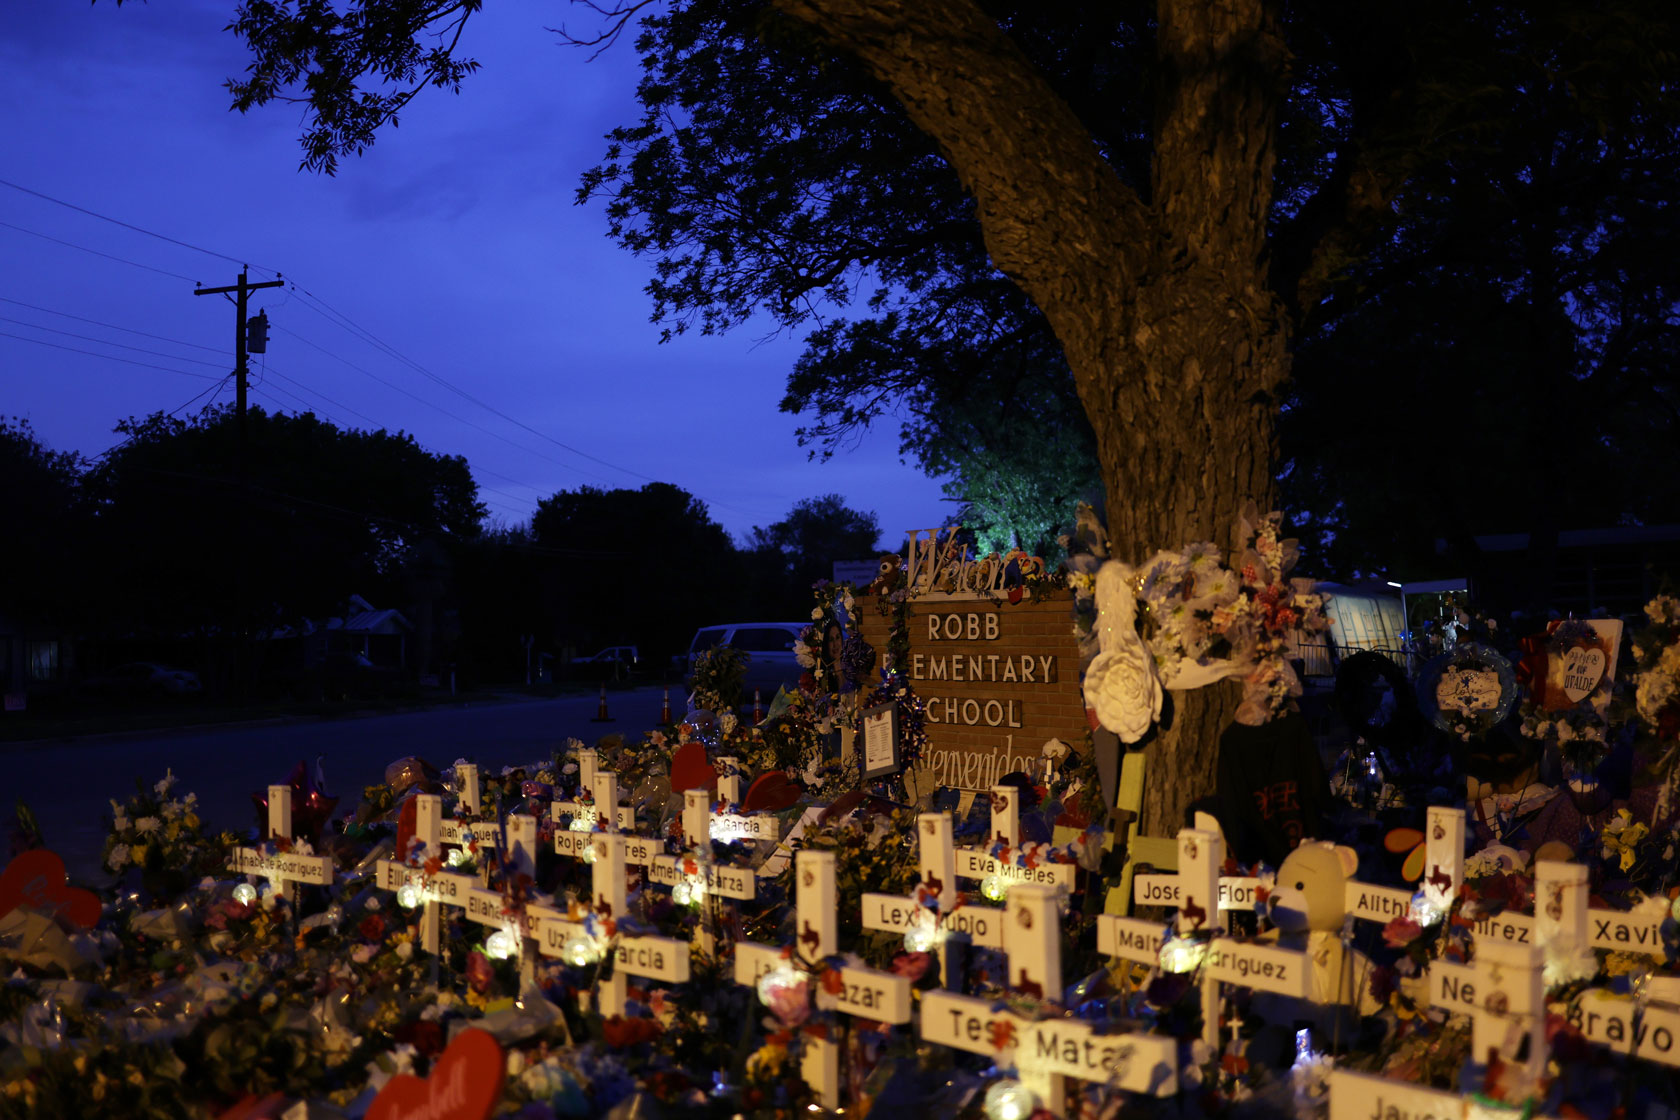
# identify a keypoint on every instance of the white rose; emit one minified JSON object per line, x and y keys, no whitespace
{"x":1123,"y":688}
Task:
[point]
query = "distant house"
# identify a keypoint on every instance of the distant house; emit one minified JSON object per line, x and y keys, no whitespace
{"x":379,"y":635}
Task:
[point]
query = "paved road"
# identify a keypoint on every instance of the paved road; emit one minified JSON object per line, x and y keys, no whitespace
{"x":69,"y":785}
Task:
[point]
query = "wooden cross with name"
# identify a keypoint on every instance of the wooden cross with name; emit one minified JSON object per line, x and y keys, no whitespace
{"x":865,"y":993}
{"x":457,"y":835}
{"x":1004,"y":872}
{"x":585,"y":815}
{"x":1637,"y":1024}
{"x":285,"y":870}
{"x":435,"y":888}
{"x":935,"y":912}
{"x":1046,"y":1050}
{"x":1248,"y":964}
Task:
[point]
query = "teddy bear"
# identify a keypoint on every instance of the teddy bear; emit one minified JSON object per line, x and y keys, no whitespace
{"x":890,"y":575}
{"x":1308,"y":905}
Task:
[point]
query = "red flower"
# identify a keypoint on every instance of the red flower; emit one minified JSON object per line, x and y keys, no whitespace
{"x":425,"y":1035}
{"x":372,"y":928}
{"x":620,"y":1031}
{"x":479,"y":971}
{"x":1668,"y":722}
{"x":832,"y":982}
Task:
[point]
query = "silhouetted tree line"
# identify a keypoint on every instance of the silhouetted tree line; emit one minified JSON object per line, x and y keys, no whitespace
{"x":182,"y":545}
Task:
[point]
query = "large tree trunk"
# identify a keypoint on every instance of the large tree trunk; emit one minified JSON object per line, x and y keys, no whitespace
{"x":1175,"y":339}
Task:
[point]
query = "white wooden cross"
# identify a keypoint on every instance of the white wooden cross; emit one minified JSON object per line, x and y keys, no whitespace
{"x":585,"y":816}
{"x":284,"y":870}
{"x":1638,"y":1025}
{"x":466,"y":777}
{"x":935,"y":911}
{"x":1443,"y":876}
{"x":486,"y":834}
{"x":1247,"y":964}
{"x":443,"y":887}
{"x":657,"y":958}
{"x":862,"y":992}
{"x":979,"y":863}
{"x":1046,"y":1051}
{"x":573,"y":843}
{"x":729,"y":781}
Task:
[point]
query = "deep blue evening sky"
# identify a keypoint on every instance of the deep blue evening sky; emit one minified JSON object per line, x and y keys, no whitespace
{"x":455,"y":241}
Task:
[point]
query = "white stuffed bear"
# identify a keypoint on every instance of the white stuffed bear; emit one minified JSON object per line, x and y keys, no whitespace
{"x":1308,"y":905}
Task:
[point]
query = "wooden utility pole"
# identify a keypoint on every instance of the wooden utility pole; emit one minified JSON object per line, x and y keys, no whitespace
{"x":241,"y":371}
{"x":241,"y":368}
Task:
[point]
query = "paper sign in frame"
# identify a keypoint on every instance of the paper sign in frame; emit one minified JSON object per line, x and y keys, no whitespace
{"x":869,"y":720}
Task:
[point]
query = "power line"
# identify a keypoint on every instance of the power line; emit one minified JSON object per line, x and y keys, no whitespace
{"x":118,"y":345}
{"x":129,"y":225}
{"x":344,"y":321}
{"x":374,"y":340}
{"x":267,"y":369}
{"x":214,"y":391}
{"x":108,"y":357}
{"x":433,"y":405}
{"x":98,"y":253}
{"x":113,"y":326}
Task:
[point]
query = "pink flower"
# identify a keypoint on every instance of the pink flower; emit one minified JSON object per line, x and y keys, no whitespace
{"x":790,"y":1004}
{"x":1401,"y":932}
{"x":912,"y":966}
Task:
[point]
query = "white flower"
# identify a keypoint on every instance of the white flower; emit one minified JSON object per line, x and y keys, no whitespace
{"x":171,"y":810}
{"x":1123,"y":688}
{"x":164,"y":783}
{"x":405,"y":950}
{"x":120,"y":824}
{"x":302,"y":847}
{"x":118,"y":859}
{"x":148,"y":824}
{"x":1655,"y":690}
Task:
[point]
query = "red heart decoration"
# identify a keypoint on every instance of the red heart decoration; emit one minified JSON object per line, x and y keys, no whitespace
{"x":36,"y":879}
{"x":770,"y":792}
{"x":465,"y":1084}
{"x":690,"y":770}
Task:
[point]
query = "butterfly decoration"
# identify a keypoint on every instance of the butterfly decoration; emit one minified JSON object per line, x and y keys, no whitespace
{"x":1410,"y":841}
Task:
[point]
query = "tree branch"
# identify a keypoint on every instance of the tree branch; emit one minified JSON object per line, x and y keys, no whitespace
{"x":1055,"y":216}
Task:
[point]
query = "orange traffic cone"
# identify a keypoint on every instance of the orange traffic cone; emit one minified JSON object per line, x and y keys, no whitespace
{"x":665,"y":708}
{"x":758,"y":708}
{"x":601,"y":715}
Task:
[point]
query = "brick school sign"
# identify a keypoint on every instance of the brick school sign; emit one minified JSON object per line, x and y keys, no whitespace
{"x":998,"y":679}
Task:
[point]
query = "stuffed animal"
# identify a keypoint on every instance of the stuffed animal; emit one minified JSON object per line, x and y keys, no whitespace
{"x":1308,"y":906}
{"x":890,"y":576}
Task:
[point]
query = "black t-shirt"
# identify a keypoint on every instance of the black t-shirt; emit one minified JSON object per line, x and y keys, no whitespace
{"x":1272,"y":792}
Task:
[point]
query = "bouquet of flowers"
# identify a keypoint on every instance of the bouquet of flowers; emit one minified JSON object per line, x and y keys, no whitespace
{"x":154,"y":828}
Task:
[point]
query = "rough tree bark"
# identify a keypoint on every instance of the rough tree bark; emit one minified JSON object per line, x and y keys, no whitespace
{"x":1176,"y":340}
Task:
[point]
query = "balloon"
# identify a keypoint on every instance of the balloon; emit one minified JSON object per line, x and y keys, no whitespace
{"x":405,"y":772}
{"x":311,"y":807}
